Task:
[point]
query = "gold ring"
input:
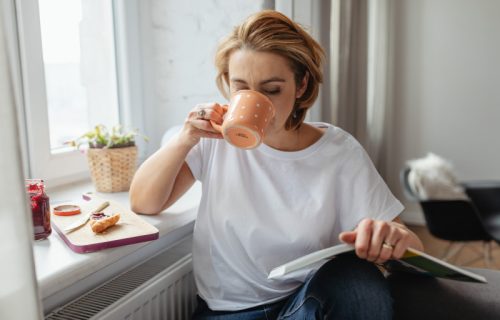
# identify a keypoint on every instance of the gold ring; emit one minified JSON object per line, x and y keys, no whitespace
{"x":201,"y":114}
{"x":388,"y":246}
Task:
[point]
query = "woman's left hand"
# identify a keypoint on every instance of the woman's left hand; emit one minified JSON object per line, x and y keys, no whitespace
{"x":379,"y":241}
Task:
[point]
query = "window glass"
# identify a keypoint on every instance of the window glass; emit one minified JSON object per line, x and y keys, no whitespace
{"x":80,"y":68}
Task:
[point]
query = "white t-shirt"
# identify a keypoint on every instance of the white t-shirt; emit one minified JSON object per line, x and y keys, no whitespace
{"x":261,"y":208}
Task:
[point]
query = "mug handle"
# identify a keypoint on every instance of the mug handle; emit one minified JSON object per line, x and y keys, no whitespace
{"x":216,"y":126}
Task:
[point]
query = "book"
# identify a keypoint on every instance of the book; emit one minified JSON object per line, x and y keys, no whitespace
{"x":413,"y":261}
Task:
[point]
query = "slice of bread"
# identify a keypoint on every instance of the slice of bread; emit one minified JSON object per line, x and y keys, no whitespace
{"x":101,"y":222}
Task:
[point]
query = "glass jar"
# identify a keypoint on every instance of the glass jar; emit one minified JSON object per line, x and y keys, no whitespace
{"x":40,"y":208}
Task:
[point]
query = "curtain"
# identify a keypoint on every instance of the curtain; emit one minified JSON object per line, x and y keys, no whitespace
{"x":361,"y":71}
{"x":18,"y":290}
{"x":350,"y":67}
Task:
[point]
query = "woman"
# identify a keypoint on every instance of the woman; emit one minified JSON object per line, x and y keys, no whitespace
{"x":307,"y":187}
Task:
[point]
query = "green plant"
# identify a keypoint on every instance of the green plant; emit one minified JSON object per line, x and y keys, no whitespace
{"x":100,"y":137}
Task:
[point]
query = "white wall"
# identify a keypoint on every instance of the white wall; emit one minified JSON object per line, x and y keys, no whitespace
{"x":447,"y":87}
{"x":179,"y":42}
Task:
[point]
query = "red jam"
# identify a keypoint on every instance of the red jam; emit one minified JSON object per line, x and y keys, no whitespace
{"x":40,"y":208}
{"x":98,"y":216}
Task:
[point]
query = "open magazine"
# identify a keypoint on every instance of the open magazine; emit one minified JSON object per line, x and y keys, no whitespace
{"x":413,"y":261}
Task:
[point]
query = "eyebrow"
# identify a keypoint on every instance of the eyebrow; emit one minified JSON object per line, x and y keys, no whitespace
{"x":273,"y":79}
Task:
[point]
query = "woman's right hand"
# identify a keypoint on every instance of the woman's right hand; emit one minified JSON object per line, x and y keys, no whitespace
{"x":197,"y":125}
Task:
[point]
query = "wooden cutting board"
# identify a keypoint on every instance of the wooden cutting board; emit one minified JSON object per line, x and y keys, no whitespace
{"x":129,"y":229}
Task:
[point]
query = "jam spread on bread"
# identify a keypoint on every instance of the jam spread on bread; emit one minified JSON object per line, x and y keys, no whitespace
{"x":98,"y":216}
{"x":100,"y":221}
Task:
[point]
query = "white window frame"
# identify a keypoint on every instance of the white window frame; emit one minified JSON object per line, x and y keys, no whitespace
{"x":130,"y":67}
{"x":70,"y":165}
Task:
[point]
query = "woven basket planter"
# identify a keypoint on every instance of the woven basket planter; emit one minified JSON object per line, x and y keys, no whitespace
{"x":112,"y":169}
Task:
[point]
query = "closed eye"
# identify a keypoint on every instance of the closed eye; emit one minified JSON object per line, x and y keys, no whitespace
{"x":272,"y":91}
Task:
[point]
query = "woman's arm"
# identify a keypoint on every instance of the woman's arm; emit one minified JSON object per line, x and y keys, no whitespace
{"x":160,"y":177}
{"x":165,"y":176}
{"x":379,"y":241}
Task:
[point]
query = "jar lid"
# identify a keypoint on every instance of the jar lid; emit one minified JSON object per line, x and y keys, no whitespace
{"x":67,"y":210}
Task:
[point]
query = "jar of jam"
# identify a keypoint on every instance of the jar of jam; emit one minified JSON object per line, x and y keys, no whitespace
{"x":40,"y":208}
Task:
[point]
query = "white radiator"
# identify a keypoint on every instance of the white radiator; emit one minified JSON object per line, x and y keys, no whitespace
{"x":161,"y":288}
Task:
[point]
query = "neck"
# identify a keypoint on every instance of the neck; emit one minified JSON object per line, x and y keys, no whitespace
{"x":294,"y":140}
{"x":284,"y":140}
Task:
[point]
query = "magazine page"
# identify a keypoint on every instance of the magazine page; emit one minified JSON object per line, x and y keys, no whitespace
{"x":413,"y":261}
{"x":309,"y":259}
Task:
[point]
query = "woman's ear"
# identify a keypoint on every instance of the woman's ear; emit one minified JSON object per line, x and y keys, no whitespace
{"x":303,"y":86}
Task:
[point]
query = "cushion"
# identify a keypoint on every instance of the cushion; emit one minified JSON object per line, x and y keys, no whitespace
{"x":432,"y":178}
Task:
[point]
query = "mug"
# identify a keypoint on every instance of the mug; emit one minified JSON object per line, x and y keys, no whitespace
{"x":246,"y":119}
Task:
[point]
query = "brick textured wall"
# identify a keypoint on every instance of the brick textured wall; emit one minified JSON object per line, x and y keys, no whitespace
{"x":180,"y":39}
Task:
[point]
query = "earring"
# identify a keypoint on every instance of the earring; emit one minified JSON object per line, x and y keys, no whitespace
{"x":294,"y":115}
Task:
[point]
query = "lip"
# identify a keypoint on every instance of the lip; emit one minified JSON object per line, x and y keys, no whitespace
{"x":67,"y":210}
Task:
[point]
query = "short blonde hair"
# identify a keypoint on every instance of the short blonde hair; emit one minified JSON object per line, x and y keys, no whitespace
{"x":271,"y":31}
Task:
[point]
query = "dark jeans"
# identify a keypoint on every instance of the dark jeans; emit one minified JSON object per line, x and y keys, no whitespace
{"x":344,"y":288}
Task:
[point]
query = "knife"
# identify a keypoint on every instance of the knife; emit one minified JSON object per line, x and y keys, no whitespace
{"x":77,"y":224}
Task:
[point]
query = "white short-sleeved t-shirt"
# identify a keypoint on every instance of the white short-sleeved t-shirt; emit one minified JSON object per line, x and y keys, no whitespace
{"x":261,"y":208}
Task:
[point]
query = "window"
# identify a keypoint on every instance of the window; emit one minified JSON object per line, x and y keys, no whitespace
{"x":70,"y":80}
{"x":80,"y":68}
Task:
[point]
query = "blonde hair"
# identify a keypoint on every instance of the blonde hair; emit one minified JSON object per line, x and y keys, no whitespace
{"x":271,"y":31}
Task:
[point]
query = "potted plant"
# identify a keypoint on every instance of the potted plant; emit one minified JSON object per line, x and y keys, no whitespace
{"x":112,"y":157}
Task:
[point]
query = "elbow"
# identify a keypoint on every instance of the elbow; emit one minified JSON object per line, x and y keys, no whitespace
{"x":143,"y":200}
{"x":143,"y":210}
{"x":142,"y":207}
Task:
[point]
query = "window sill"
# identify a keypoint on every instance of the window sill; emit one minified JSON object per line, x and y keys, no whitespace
{"x":63,"y":274}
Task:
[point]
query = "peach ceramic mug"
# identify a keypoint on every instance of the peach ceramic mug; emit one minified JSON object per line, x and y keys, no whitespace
{"x":246,"y":119}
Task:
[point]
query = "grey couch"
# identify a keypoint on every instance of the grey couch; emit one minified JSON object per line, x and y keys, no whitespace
{"x":422,"y":297}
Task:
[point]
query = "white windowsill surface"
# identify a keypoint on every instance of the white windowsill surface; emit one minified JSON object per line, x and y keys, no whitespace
{"x":63,"y":274}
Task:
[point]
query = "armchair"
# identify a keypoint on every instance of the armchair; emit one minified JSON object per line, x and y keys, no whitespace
{"x":458,"y":221}
{"x":486,"y":197}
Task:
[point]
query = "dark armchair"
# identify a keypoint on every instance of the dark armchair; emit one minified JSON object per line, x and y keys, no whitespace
{"x":486,"y":197}
{"x":458,"y":221}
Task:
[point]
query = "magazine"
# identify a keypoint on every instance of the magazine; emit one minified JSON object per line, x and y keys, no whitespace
{"x":413,"y":261}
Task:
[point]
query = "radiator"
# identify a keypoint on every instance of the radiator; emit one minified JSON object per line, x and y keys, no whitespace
{"x":160,"y":288}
